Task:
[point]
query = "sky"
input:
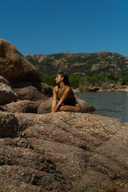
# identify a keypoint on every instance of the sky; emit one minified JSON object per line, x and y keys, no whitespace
{"x":56,"y":26}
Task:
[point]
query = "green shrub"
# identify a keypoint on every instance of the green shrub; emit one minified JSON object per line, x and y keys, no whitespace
{"x":91,"y":80}
{"x":83,"y":88}
{"x":105,"y":85}
{"x":112,"y":77}
{"x":74,"y":81}
{"x":99,"y":77}
{"x":125,"y":81}
{"x":50,"y":80}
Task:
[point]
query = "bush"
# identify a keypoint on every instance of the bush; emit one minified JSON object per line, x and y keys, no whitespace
{"x":99,"y":77}
{"x":83,"y":88}
{"x":74,"y":81}
{"x":50,"y":80}
{"x":105,"y":85}
{"x":112,"y":77}
{"x":91,"y":80}
{"x":125,"y":81}
{"x":84,"y":85}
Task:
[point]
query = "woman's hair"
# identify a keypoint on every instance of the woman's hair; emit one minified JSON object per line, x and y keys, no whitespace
{"x":66,"y":79}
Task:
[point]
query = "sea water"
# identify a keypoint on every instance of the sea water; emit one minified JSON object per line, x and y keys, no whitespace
{"x":109,"y":104}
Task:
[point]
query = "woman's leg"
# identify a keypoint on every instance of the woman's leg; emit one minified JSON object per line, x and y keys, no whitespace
{"x":70,"y":108}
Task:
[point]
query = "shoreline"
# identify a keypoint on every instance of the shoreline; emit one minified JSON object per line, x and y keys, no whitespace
{"x":100,"y":90}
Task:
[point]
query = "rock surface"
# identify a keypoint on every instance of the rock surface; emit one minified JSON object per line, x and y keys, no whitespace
{"x":13,"y":66}
{"x":63,"y":152}
{"x":6,"y":94}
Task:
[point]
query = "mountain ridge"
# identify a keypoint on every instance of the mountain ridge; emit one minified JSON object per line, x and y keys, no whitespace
{"x":84,"y":64}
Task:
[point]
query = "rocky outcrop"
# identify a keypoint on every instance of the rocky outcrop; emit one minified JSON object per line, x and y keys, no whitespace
{"x":115,"y":88}
{"x":24,"y":79}
{"x":39,"y":98}
{"x":13,"y":66}
{"x":6,"y":94}
{"x":63,"y":152}
{"x":126,"y":89}
{"x":94,"y":89}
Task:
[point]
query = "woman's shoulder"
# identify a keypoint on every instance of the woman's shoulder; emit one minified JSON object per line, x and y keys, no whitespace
{"x":55,"y":88}
{"x":68,"y":87}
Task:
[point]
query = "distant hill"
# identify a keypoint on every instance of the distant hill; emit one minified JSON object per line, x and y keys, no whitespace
{"x":81,"y":63}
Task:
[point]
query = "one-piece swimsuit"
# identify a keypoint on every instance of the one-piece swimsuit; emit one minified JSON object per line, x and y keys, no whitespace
{"x":68,"y":101}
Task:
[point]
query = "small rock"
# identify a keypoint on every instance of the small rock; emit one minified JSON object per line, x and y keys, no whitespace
{"x":6,"y":94}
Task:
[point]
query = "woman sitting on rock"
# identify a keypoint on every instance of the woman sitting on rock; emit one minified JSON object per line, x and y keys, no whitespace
{"x":65,"y":96}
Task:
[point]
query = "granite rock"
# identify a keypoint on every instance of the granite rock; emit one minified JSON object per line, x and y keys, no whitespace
{"x":63,"y":151}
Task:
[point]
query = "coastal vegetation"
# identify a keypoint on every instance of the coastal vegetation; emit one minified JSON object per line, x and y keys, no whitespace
{"x":83,"y":83}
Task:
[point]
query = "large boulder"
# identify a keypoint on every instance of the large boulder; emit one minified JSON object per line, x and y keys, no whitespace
{"x":63,"y":151}
{"x":85,"y":106}
{"x":6,"y":94}
{"x":45,"y":106}
{"x":46,"y":89}
{"x":13,"y":66}
{"x":24,"y":106}
{"x":30,"y":93}
{"x":42,"y":87}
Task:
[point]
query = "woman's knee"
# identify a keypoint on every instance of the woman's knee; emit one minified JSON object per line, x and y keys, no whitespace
{"x":78,"y":108}
{"x":62,"y":108}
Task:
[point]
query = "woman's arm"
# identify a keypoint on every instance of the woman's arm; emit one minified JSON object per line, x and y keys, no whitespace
{"x":62,"y":99}
{"x":54,"y":100}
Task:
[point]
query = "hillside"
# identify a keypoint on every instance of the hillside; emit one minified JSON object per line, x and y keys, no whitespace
{"x":81,"y":63}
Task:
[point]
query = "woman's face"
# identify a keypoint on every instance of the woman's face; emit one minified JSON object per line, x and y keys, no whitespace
{"x":58,"y":79}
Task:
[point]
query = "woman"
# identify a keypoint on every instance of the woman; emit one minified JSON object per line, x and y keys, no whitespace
{"x":65,"y":96}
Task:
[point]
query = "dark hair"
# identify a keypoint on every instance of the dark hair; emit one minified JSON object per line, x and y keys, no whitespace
{"x":66,"y":79}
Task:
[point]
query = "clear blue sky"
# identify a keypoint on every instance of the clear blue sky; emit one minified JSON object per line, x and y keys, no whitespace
{"x":55,"y":26}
